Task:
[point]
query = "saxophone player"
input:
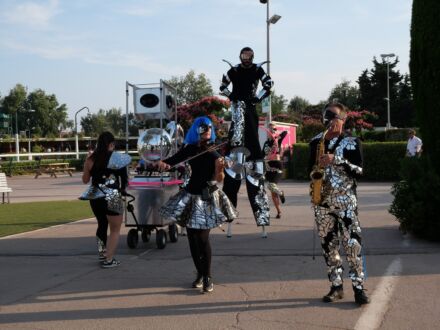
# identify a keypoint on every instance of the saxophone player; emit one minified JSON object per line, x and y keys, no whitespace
{"x":336,"y":213}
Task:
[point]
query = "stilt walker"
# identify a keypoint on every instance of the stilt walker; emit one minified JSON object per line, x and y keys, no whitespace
{"x":244,"y":151}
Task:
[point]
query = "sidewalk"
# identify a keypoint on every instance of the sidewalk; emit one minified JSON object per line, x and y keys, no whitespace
{"x":50,"y":279}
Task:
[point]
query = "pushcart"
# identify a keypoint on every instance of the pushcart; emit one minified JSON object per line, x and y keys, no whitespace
{"x":145,"y":195}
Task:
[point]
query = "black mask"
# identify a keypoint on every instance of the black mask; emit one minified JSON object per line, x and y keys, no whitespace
{"x":203,"y":128}
{"x":328,"y":116}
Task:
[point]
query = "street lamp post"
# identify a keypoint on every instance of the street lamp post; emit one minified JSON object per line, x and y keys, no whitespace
{"x":387,"y":57}
{"x":17,"y":142}
{"x":272,"y":20}
{"x":76,"y":131}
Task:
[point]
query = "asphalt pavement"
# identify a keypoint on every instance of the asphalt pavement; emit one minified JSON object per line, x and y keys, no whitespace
{"x":51,"y":279}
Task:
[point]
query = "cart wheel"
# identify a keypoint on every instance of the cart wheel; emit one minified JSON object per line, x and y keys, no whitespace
{"x":132,"y":238}
{"x":146,"y":234}
{"x":172,"y":230}
{"x":161,"y":238}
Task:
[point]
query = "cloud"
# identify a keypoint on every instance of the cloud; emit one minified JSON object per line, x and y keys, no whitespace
{"x":31,"y":14}
{"x":115,"y":58}
{"x":142,"y":9}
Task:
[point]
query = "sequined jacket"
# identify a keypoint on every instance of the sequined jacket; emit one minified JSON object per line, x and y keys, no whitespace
{"x":340,"y":177}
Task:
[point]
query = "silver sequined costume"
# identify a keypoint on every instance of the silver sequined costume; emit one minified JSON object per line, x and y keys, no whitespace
{"x":191,"y":211}
{"x":337,"y":216}
{"x":187,"y":206}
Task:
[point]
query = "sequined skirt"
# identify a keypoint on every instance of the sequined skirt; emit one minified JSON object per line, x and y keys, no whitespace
{"x":191,"y":211}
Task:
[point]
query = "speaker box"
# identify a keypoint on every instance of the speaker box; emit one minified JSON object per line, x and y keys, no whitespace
{"x":153,"y":102}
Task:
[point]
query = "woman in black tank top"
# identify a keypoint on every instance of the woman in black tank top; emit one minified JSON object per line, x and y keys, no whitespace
{"x":108,"y":209}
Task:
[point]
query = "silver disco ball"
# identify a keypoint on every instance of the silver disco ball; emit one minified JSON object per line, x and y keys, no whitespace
{"x":154,"y":144}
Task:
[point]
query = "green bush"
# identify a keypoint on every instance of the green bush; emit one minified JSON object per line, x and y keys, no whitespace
{"x":297,"y":167}
{"x":381,"y":161}
{"x":378,"y":136}
{"x":399,"y":134}
{"x":416,"y":199}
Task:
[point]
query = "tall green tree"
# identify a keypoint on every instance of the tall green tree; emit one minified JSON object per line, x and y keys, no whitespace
{"x":15,"y":103}
{"x":373,"y":93}
{"x":36,"y":109}
{"x":191,"y":87}
{"x":346,"y":93}
{"x":298,"y":105}
{"x":416,"y":196}
{"x":425,"y":73}
{"x":94,"y":123}
{"x":111,"y":120}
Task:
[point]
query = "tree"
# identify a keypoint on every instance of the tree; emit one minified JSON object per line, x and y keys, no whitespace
{"x":111,"y":120}
{"x":416,"y":197}
{"x":405,"y":116}
{"x":346,"y":94}
{"x":95,"y":123}
{"x":15,"y":102}
{"x":298,"y":105}
{"x":373,"y":93}
{"x":47,"y":116}
{"x":191,"y":88}
{"x":213,"y":106}
{"x":279,"y":104}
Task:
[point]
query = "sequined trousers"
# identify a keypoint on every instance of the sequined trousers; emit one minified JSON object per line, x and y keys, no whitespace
{"x":338,"y":223}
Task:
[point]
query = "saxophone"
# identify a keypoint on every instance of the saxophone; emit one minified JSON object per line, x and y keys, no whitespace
{"x":317,"y":173}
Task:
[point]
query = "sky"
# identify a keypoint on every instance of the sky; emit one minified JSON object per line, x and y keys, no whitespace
{"x":84,"y":51}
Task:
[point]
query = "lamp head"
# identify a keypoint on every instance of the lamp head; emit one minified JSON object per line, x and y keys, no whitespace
{"x":263,"y":1}
{"x":275,"y":18}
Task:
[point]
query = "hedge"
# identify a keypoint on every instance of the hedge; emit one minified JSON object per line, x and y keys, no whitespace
{"x":29,"y":166}
{"x":381,"y":161}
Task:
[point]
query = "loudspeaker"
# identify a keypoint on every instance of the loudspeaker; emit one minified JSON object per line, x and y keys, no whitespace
{"x":154,"y":102}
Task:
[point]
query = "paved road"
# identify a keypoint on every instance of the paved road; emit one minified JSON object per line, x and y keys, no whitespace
{"x":50,"y":279}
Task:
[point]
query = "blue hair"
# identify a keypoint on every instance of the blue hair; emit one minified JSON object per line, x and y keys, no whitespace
{"x":193,"y":137}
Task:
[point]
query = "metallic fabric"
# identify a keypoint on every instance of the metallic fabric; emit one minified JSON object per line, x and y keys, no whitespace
{"x":112,"y":195}
{"x":118,"y":161}
{"x":335,"y":227}
{"x":191,"y":211}
{"x":337,"y":217}
{"x":92,"y":192}
{"x":237,"y":139}
{"x":262,"y":216}
{"x":346,"y":144}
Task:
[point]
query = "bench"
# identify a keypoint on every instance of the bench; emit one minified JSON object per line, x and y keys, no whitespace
{"x":4,"y":189}
{"x":53,"y":169}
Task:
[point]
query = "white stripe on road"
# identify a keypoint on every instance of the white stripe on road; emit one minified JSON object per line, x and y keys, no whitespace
{"x":374,"y":312}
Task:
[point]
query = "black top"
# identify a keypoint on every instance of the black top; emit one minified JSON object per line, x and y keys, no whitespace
{"x":352,"y":155}
{"x":202,"y":167}
{"x":245,"y":82}
{"x":100,"y":175}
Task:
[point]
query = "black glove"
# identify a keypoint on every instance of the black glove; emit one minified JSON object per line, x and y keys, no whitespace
{"x":255,"y":100}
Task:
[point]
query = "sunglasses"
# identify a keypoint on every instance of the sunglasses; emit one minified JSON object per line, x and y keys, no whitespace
{"x":203,"y":128}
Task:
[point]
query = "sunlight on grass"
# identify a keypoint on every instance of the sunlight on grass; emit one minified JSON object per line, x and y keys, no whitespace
{"x":22,"y":217}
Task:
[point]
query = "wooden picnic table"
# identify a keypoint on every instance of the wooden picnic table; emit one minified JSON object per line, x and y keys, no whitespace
{"x":53,"y":169}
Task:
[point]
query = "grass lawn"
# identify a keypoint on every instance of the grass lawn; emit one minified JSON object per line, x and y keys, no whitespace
{"x":21,"y":217}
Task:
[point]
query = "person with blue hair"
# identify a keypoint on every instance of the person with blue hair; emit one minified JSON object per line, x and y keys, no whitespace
{"x":200,"y":206}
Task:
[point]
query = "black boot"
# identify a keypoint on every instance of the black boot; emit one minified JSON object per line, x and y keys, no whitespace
{"x":207,"y":284}
{"x":198,"y":282}
{"x":336,"y":293}
{"x":360,"y":297}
